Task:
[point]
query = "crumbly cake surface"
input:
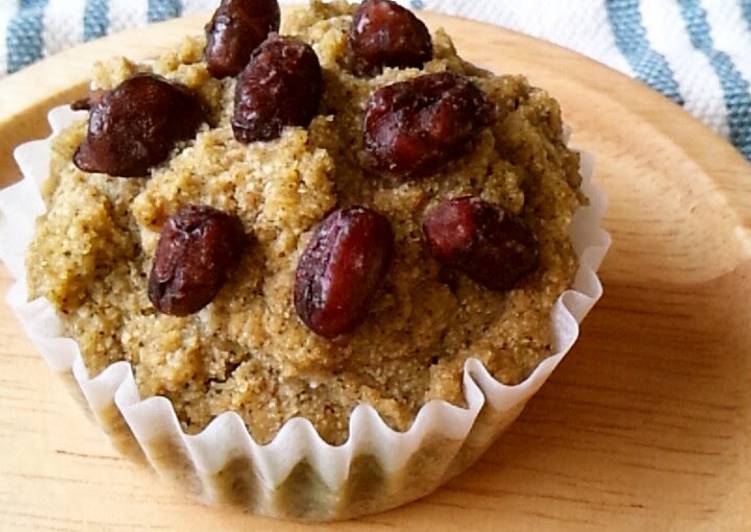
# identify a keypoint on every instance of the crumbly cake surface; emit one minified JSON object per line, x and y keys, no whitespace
{"x":247,"y":351}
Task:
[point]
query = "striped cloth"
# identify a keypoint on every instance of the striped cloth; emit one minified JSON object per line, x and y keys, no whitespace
{"x":695,"y":52}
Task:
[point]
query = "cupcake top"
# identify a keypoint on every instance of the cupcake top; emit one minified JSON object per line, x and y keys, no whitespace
{"x":290,"y":221}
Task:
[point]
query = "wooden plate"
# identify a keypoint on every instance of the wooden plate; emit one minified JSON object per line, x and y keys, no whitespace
{"x":646,"y":425}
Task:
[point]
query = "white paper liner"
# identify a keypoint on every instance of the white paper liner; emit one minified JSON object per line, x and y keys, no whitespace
{"x":226,"y":438}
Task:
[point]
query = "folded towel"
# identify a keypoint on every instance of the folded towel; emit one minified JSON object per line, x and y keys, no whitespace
{"x":695,"y":52}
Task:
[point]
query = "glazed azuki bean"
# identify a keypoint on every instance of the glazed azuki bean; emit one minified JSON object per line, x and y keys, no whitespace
{"x":136,"y":125}
{"x":197,"y":248}
{"x":281,"y":86}
{"x":341,"y":270}
{"x":382,"y":34}
{"x":235,"y":30}
{"x":414,"y":127}
{"x":481,"y":240}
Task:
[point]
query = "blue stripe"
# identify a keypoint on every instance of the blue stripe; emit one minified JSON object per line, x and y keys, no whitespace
{"x":631,"y":39}
{"x":23,"y":39}
{"x":735,"y":89}
{"x":95,"y":19}
{"x":160,"y":10}
{"x":746,"y":8}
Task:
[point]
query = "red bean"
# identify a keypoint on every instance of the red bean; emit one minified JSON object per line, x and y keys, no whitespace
{"x":385,"y":34}
{"x":413,"y":128}
{"x":281,"y":86}
{"x":135,"y":126}
{"x":481,"y":240}
{"x":235,"y":30}
{"x":341,"y":270}
{"x":197,"y":248}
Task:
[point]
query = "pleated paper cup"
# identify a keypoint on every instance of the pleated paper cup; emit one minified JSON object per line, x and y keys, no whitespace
{"x":297,"y":475}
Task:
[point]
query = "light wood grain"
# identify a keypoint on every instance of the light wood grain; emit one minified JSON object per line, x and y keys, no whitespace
{"x":646,"y":425}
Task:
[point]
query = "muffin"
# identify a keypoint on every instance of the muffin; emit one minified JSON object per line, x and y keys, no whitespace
{"x":312,"y":267}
